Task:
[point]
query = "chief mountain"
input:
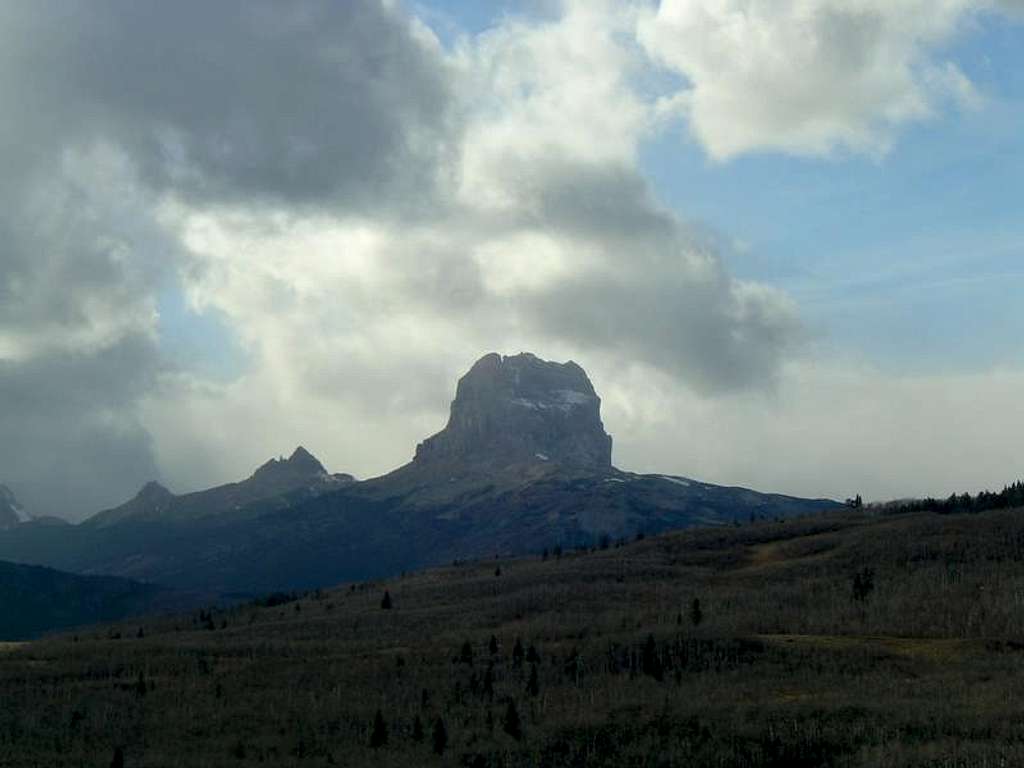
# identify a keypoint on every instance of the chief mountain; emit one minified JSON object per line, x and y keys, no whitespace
{"x":523,"y":464}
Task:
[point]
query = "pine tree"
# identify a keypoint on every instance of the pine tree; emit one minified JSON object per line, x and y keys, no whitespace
{"x":651,"y":660}
{"x":512,"y":724}
{"x":489,"y":682}
{"x":533,"y":684}
{"x":532,"y":656}
{"x":379,"y":736}
{"x":696,"y":614}
{"x":385,"y":602}
{"x":440,"y":737}
{"x":517,"y":653}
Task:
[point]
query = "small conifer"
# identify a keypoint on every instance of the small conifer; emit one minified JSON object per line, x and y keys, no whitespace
{"x":440,"y":737}
{"x":379,"y":735}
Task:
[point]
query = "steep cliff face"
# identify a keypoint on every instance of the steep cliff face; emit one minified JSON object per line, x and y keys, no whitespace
{"x":521,"y":409}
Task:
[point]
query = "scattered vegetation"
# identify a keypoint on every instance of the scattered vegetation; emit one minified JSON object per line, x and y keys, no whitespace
{"x":865,"y":637}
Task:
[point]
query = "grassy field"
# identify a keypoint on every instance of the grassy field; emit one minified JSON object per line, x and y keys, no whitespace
{"x":850,"y":639}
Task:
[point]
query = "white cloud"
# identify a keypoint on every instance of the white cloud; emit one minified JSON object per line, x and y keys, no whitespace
{"x":808,"y":77}
{"x":829,"y":429}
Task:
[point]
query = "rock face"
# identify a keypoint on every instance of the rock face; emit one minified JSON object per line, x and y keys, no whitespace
{"x":11,"y":513}
{"x":521,"y":409}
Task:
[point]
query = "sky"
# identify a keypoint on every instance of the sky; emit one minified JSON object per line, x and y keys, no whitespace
{"x":782,"y":236}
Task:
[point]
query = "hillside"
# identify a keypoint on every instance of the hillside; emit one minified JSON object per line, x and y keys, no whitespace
{"x":843,"y":639}
{"x":35,"y":600}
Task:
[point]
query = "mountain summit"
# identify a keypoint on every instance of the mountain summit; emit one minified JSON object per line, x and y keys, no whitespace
{"x":518,"y":410}
{"x":276,"y":484}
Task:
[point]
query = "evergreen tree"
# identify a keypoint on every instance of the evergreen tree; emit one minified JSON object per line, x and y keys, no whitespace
{"x":512,"y":724}
{"x":489,"y":682}
{"x":696,"y":614}
{"x":651,"y":660}
{"x":417,"y":730}
{"x":863,"y":584}
{"x":379,"y":736}
{"x":532,"y":656}
{"x":385,"y":602}
{"x":517,"y":653}
{"x":533,"y":684}
{"x":440,"y":737}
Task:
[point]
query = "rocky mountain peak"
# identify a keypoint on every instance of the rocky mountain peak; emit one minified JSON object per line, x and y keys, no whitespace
{"x":521,"y":409}
{"x":153,"y":492}
{"x":300,"y":466}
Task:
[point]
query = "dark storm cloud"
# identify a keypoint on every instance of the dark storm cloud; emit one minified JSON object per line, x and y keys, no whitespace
{"x":69,"y":446}
{"x":110,"y":105}
{"x":319,"y":102}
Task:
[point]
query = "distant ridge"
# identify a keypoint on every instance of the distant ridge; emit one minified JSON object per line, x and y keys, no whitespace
{"x":523,"y":463}
{"x":300,"y":474}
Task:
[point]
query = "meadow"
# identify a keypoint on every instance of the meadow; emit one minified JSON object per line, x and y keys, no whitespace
{"x":857,"y":638}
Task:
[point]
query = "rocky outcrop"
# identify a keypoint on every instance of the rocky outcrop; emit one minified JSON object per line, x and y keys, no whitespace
{"x":521,"y":409}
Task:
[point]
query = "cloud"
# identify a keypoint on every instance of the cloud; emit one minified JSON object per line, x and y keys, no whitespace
{"x":71,"y":443}
{"x":368,"y":212}
{"x":316,"y":103}
{"x":831,"y":428}
{"x":809,"y":77}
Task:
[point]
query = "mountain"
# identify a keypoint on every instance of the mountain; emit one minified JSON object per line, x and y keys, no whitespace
{"x":520,"y":410}
{"x":276,"y":484}
{"x":11,"y":513}
{"x":37,"y":600}
{"x":524,"y":463}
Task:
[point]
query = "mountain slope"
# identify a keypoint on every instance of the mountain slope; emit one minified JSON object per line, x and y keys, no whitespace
{"x":279,"y":482}
{"x":37,"y":600}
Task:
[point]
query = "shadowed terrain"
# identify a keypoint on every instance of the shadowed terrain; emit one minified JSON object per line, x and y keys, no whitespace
{"x":844,"y":639}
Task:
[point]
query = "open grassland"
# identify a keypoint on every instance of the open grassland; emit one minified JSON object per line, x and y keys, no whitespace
{"x":842,"y":640}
